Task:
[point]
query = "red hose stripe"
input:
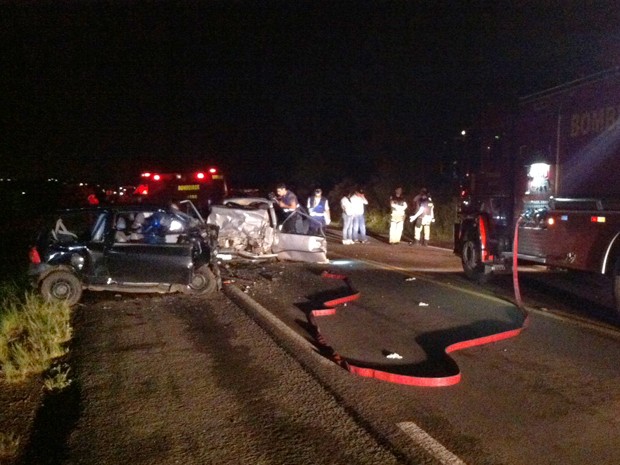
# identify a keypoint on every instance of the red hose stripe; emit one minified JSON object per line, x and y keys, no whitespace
{"x":342,"y":300}
{"x":324,"y":312}
{"x":329,"y":274}
{"x":437,"y":381}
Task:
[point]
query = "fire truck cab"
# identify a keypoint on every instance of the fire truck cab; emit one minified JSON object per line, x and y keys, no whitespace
{"x":547,"y":174}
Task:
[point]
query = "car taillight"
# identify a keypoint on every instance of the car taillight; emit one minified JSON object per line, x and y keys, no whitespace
{"x":34,"y":256}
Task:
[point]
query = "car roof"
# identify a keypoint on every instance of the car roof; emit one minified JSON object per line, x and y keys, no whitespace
{"x":247,"y":200}
{"x":115,"y":208}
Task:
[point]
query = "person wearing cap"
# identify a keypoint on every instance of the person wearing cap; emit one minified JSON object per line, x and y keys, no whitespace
{"x":318,"y":209}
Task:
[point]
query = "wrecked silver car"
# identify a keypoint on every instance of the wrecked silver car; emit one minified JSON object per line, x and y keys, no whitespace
{"x":249,"y":228}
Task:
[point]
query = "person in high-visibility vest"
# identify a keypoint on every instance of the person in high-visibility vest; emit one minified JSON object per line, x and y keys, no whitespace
{"x":423,"y":217}
{"x":397,"y":215}
{"x":318,"y":209}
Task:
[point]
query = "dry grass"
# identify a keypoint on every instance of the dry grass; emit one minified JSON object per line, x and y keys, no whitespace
{"x":9,"y":445}
{"x":32,"y":334}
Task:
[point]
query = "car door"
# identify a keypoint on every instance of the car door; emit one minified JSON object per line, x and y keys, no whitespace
{"x":148,"y":263}
{"x":292,"y":241}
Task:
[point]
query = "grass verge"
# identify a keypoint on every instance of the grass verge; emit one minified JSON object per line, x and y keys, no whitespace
{"x":32,"y":333}
{"x":33,"y":338}
{"x":9,"y":445}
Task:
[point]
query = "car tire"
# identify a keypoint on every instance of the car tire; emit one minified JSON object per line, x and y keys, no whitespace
{"x":203,"y":281}
{"x":475,"y":270}
{"x":61,"y":286}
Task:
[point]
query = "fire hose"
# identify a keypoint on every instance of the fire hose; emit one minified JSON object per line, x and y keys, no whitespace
{"x":330,"y":308}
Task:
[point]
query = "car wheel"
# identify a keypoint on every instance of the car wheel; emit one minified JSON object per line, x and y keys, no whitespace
{"x":472,"y":262}
{"x":203,"y":281}
{"x":61,"y":286}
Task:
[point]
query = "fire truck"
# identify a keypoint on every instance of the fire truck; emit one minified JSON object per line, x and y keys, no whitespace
{"x":548,"y":173}
{"x":202,"y":187}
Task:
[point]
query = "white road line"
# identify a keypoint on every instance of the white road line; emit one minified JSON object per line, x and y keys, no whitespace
{"x":429,"y":444}
{"x":409,"y":271}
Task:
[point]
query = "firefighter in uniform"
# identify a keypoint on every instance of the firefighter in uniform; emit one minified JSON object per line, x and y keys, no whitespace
{"x":398,"y":207}
{"x":423,"y":217}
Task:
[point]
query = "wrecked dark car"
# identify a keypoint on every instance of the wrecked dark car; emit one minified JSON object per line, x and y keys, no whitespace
{"x":249,"y":228}
{"x":125,"y":248}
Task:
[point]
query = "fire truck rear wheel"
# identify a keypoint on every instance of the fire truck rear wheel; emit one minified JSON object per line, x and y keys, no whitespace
{"x":472,"y":262}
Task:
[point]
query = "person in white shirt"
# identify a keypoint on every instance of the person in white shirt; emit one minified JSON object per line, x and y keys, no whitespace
{"x":347,"y":220}
{"x":358,"y":202}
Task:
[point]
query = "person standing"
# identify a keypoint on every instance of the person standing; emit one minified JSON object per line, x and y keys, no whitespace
{"x":397,"y":215}
{"x":318,"y":209}
{"x":358,"y":203}
{"x":287,"y":201}
{"x":347,"y":219}
{"x":423,"y":217}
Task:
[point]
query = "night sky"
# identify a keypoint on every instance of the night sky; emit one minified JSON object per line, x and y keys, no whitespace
{"x":273,"y":90}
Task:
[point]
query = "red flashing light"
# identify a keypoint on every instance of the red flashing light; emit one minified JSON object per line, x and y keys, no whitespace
{"x":483,"y":239}
{"x":146,"y":175}
{"x":597,"y":219}
{"x":156,"y":177}
{"x":33,"y":255}
{"x":200,"y":175}
{"x":142,"y":189}
{"x":212,"y":170}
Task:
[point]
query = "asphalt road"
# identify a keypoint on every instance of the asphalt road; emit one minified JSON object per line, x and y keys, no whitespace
{"x":181,"y":379}
{"x":547,"y":396}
